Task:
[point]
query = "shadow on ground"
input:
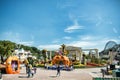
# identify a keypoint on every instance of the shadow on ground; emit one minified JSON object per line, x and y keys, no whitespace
{"x":22,"y":76}
{"x":22,"y":73}
{"x":53,"y":76}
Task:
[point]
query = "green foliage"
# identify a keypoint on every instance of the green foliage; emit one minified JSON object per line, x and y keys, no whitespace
{"x":79,"y":66}
{"x":103,"y":61}
{"x":7,"y":47}
{"x":40,"y":65}
{"x":76,"y":63}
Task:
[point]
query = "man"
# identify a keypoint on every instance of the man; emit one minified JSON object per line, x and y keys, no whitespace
{"x":58,"y":70}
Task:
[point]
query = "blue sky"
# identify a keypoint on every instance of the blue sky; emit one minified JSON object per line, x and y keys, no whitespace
{"x":46,"y":24}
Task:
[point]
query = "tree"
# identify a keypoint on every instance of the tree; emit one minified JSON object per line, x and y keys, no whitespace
{"x":44,"y":54}
{"x":6,"y":48}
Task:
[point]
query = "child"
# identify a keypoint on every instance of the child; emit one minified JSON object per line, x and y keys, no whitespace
{"x":32,"y":72}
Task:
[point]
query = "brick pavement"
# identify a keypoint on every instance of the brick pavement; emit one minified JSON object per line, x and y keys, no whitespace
{"x":42,"y":74}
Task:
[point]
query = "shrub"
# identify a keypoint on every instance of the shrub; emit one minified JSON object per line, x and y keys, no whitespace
{"x":79,"y":66}
{"x":76,"y":63}
{"x":40,"y":65}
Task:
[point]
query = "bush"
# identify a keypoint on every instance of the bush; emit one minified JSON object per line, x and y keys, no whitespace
{"x":76,"y":63}
{"x":40,"y":65}
{"x":79,"y":66}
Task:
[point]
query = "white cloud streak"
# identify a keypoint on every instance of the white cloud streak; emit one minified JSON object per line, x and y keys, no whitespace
{"x":115,"y":30}
{"x":86,"y":38}
{"x":16,"y":37}
{"x":92,"y":42}
{"x":56,"y":41}
{"x":11,"y":36}
{"x":49,"y":47}
{"x":85,"y":42}
{"x":27,"y":43}
{"x":73,"y":28}
{"x":67,"y":37}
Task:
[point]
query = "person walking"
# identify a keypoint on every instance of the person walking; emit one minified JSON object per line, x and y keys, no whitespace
{"x":30,"y":71}
{"x":58,"y":70}
{"x":26,"y":67}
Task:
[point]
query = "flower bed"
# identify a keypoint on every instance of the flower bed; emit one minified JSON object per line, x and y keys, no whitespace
{"x":79,"y":66}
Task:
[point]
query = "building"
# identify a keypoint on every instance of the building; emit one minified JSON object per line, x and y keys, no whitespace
{"x":22,"y":54}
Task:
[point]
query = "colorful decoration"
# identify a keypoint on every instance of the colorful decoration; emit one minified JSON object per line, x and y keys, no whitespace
{"x":60,"y":59}
{"x":12,"y":65}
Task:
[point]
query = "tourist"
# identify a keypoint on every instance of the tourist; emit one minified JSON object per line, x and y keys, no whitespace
{"x":26,"y":65}
{"x":35,"y":68}
{"x":58,"y":70}
{"x":30,"y":71}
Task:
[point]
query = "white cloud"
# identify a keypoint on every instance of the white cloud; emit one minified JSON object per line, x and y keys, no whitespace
{"x":15,"y":37}
{"x":83,"y":44}
{"x":74,"y":27}
{"x":27,"y":43}
{"x":86,"y":42}
{"x":115,"y":30}
{"x":99,"y":20}
{"x":67,"y":37}
{"x":92,"y":42}
{"x":87,"y":38}
{"x":49,"y":47}
{"x":64,"y":5}
{"x":32,"y":37}
{"x":56,"y":41}
{"x":112,"y":39}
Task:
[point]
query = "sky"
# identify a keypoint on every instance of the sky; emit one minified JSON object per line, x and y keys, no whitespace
{"x":47,"y":24}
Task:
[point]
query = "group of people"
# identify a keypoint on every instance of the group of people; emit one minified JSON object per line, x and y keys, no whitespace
{"x":30,"y":70}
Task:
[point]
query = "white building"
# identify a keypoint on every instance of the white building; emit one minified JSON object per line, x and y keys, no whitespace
{"x":22,"y":54}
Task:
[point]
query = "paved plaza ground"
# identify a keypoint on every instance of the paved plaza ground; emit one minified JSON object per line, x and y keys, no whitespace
{"x":43,"y":74}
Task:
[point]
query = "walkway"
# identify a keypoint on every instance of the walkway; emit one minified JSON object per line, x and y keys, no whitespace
{"x":42,"y":74}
